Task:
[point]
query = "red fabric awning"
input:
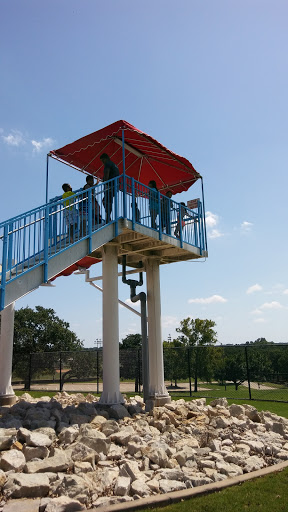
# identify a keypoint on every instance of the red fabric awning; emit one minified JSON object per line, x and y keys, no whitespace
{"x":83,"y":263}
{"x":145,"y":158}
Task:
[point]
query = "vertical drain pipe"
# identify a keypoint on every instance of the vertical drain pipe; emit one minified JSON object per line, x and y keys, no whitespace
{"x":135,"y":298}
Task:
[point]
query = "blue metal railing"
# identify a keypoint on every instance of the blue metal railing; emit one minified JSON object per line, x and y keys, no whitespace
{"x":33,"y":238}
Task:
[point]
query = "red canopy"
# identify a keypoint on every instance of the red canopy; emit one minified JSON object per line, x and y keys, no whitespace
{"x":145,"y":158}
{"x":83,"y":263}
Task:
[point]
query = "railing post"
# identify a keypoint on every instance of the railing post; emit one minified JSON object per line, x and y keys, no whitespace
{"x":116,"y":185}
{"x":89,"y":220}
{"x":180,"y":225}
{"x":4,"y":265}
{"x":159,"y":216}
{"x":133,"y":203}
{"x":10,"y":245}
{"x":248,"y":372}
{"x":200,"y":222}
{"x":46,"y":245}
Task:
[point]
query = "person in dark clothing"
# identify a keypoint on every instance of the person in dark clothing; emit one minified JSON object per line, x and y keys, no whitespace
{"x":165,"y":212}
{"x":180,"y":219}
{"x":83,"y":207}
{"x":110,"y":171}
{"x":137,"y":211}
{"x":153,"y":202}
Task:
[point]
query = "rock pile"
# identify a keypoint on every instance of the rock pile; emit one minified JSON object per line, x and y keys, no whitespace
{"x":71,"y":453}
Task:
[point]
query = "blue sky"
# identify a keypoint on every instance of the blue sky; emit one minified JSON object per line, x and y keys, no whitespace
{"x":209,"y":81}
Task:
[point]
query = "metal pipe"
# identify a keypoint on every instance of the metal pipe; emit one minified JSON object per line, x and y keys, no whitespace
{"x":143,"y":299}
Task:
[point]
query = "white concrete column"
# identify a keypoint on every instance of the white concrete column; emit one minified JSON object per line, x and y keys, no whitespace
{"x":7,"y":395}
{"x":111,"y":371}
{"x":157,"y":390}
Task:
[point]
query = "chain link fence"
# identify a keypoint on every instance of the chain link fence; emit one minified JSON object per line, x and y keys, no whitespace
{"x":243,"y":372}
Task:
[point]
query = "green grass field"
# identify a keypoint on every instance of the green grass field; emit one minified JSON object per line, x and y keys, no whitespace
{"x":266,"y":494}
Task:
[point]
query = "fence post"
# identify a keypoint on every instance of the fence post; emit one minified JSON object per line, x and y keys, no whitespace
{"x":196,"y":371}
{"x":97,"y":369}
{"x":248,"y":372}
{"x":189,"y":371}
{"x":30,"y":372}
{"x":60,"y":363}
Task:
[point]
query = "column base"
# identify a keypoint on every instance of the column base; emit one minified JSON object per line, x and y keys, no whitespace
{"x":107,"y":398}
{"x":7,"y":399}
{"x":157,"y":401}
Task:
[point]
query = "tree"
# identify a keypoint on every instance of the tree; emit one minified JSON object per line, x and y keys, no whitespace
{"x":132,"y":341}
{"x":175,"y":361}
{"x":40,"y":331}
{"x":131,"y":359}
{"x":198,"y":334}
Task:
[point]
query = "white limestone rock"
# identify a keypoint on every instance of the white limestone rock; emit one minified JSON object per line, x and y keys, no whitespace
{"x":140,"y":488}
{"x":122,"y":486}
{"x":35,"y":452}
{"x":95,"y":440}
{"x":26,"y":486}
{"x":64,"y":504}
{"x":12,"y":460}
{"x":68,"y":435}
{"x":59,"y":462}
{"x":171,"y":485}
{"x":73,"y":486}
{"x":123,"y":436}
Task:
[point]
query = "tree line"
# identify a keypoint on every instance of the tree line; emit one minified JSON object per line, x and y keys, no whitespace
{"x":193,"y":354}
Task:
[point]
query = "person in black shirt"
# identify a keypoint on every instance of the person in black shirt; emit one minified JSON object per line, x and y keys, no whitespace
{"x":110,"y":171}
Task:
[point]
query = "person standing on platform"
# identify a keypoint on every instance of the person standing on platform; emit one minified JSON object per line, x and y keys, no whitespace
{"x":153,"y":202}
{"x":110,"y":171}
{"x":165,"y":212}
{"x":83,"y":207}
{"x":70,"y":212}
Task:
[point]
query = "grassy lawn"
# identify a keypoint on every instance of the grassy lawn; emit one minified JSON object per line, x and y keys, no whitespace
{"x":266,"y":494}
{"x":276,"y":392}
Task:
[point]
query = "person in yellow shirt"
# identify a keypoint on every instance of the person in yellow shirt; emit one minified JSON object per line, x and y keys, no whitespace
{"x":70,"y":212}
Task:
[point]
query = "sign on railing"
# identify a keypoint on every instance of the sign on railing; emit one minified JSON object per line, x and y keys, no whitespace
{"x":193,"y":203}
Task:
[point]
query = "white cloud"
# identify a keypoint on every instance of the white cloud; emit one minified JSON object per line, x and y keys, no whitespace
{"x":285,"y":292}
{"x":211,"y":222}
{"x":254,"y":288}
{"x":15,"y":138}
{"x":208,"y":300}
{"x":271,"y":305}
{"x":257,"y":311}
{"x":260,"y":320}
{"x":246,"y":226}
{"x":169,"y":322}
{"x":211,"y":219}
{"x":42,"y":144}
{"x":214,"y":233}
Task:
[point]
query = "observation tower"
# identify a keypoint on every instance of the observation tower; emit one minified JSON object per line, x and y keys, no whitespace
{"x":146,"y":228}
